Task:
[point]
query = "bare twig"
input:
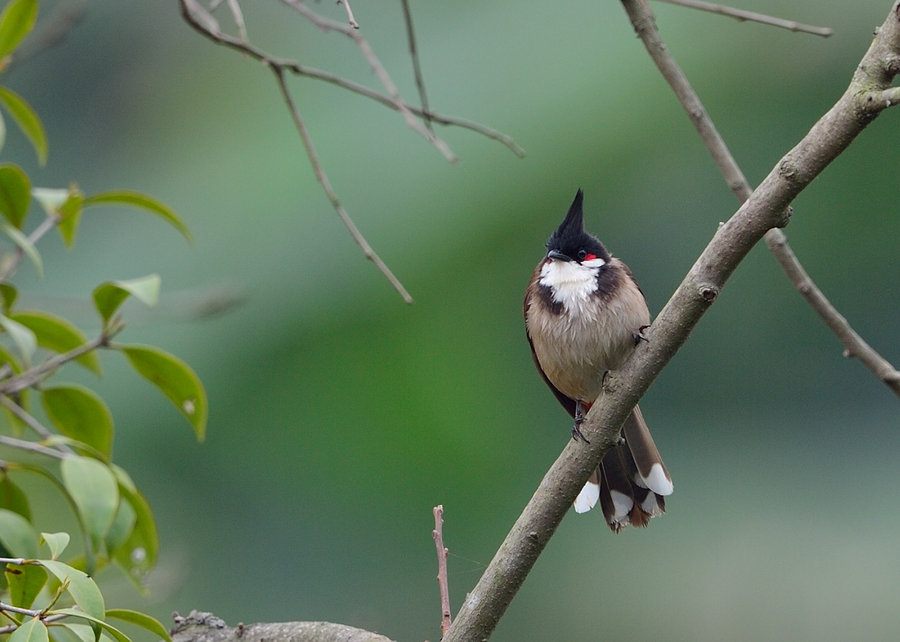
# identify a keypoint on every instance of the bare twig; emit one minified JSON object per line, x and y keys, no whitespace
{"x":644,"y":24}
{"x":238,"y":16}
{"x":43,"y":370}
{"x":351,"y":20}
{"x":10,"y":263}
{"x":741,"y":14}
{"x":854,"y":345}
{"x":381,"y":73}
{"x":765,"y":209}
{"x":25,"y":417}
{"x":368,"y":252}
{"x":204,"y":23}
{"x":31,"y":446}
{"x":201,"y":23}
{"x":438,"y":535}
{"x":414,"y":54}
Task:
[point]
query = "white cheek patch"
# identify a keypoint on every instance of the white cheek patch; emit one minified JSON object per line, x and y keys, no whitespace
{"x":570,"y":282}
{"x":595,"y":262}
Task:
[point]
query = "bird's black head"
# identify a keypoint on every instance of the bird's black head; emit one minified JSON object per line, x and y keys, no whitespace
{"x":570,"y":242}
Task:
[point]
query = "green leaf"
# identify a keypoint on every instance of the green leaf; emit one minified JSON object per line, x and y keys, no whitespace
{"x":95,"y":492}
{"x":25,"y":244}
{"x":27,"y":120}
{"x":15,"y":194}
{"x":70,"y":215}
{"x":25,"y":583}
{"x":87,"y":632}
{"x":57,"y":334}
{"x":81,"y":414}
{"x":175,"y":379}
{"x":139,"y":553}
{"x":18,"y":535}
{"x":107,"y":628}
{"x":142,"y":620}
{"x":109,"y":296}
{"x":121,"y":528}
{"x":66,"y":205}
{"x":56,"y":542}
{"x":33,"y":630}
{"x":8,"y":295}
{"x":136,"y":199}
{"x":21,"y":336}
{"x":16,"y":21}
{"x":7,"y":357}
{"x":14,"y":498}
{"x":80,"y":586}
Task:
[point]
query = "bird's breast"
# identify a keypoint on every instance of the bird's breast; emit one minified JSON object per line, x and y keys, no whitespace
{"x":578,"y":338}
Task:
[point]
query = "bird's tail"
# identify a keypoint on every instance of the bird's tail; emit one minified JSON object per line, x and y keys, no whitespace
{"x":631,"y":482}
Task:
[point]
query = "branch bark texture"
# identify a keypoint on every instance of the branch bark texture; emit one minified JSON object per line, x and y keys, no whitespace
{"x":206,"y":627}
{"x":854,"y":345}
{"x":767,"y":207}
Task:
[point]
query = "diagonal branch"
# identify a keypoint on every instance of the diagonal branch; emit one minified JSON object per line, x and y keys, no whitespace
{"x":764,"y":209}
{"x":854,"y":346}
{"x":204,"y":23}
{"x":741,"y":14}
{"x":200,"y":23}
{"x":414,"y":54}
{"x":368,"y":252}
{"x":378,"y":68}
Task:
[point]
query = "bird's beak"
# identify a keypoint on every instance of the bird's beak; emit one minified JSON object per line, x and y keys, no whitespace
{"x":559,"y":256}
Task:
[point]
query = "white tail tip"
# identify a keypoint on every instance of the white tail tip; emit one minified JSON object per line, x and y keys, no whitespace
{"x":587,"y":498}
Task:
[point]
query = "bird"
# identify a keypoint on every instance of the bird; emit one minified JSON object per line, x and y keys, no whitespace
{"x":584,"y":314}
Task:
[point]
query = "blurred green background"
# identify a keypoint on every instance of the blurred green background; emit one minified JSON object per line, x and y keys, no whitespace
{"x":340,"y":416}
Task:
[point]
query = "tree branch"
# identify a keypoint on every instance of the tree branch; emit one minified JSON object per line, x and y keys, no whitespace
{"x":206,"y":627}
{"x":204,"y":23}
{"x":43,"y":370}
{"x":766,"y":208}
{"x":414,"y":54}
{"x":643,"y":21}
{"x":378,"y":68}
{"x":854,"y":345}
{"x":211,"y":30}
{"x":438,"y":535}
{"x":741,"y":14}
{"x":368,"y":252}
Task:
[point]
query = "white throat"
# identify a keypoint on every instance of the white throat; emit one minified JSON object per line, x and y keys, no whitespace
{"x":570,"y":282}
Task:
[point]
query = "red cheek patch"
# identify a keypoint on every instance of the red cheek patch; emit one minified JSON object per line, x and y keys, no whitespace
{"x":590,"y":257}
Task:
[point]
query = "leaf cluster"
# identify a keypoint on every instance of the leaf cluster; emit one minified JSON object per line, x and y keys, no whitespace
{"x":45,"y":583}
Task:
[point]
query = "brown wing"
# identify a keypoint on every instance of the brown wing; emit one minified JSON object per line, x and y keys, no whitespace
{"x":567,"y":402}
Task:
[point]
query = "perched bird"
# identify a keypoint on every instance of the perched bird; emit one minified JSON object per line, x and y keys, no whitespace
{"x":584,"y":314}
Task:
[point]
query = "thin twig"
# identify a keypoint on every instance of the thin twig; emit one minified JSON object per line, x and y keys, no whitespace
{"x":43,"y":370}
{"x":201,"y":23}
{"x":10,"y":265}
{"x":368,"y":252}
{"x":42,"y":431}
{"x":741,"y":14}
{"x":351,"y":20}
{"x":380,"y":72}
{"x":31,"y":446}
{"x":238,"y":16}
{"x":643,"y":21}
{"x":438,"y":535}
{"x":854,"y":345}
{"x":414,"y":54}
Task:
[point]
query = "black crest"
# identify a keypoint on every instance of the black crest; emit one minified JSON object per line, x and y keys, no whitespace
{"x":570,"y":236}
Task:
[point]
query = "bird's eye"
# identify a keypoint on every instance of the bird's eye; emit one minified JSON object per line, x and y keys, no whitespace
{"x":582,"y":254}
